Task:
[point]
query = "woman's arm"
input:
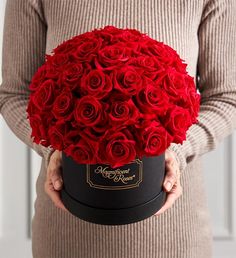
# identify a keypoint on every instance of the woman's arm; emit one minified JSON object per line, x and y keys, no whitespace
{"x":217,"y":81}
{"x":23,"y":52}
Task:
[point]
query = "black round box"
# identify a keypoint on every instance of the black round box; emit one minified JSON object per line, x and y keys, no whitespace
{"x":113,"y":196}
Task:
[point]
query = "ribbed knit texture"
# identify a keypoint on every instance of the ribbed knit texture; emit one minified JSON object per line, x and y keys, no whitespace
{"x":204,"y":34}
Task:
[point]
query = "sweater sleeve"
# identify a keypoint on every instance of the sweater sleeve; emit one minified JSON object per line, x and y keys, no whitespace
{"x":216,"y":73}
{"x":24,"y":40}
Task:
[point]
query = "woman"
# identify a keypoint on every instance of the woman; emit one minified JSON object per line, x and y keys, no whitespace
{"x":204,"y":34}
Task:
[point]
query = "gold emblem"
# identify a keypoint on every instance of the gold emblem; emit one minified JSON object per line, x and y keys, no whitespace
{"x":125,"y":177}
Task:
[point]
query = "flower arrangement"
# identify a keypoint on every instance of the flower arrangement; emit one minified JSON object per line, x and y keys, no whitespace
{"x":111,"y":95}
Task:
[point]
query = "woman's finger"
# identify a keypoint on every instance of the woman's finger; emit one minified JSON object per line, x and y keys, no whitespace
{"x":54,"y":195}
{"x":170,"y":177}
{"x":171,"y":198}
{"x":56,"y":179}
{"x":171,"y":174}
{"x":53,"y":182}
{"x":54,"y":174}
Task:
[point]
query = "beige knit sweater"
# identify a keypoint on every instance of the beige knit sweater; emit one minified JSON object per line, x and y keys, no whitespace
{"x":204,"y":34}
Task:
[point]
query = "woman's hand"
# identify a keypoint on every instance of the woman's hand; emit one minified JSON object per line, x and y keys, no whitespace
{"x":53,"y":183}
{"x":171,"y":182}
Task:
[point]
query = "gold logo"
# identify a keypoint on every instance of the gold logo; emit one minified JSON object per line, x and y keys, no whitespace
{"x":125,"y":177}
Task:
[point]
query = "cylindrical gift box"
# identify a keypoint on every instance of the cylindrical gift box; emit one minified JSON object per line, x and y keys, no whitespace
{"x":113,"y":196}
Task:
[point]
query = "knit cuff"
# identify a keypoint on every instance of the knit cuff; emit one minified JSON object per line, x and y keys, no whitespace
{"x":179,"y":155}
{"x":47,"y":152}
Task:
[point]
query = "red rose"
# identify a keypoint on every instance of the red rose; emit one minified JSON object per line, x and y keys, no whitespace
{"x":175,"y":85}
{"x":44,"y":96}
{"x":112,"y":35}
{"x":65,"y":47}
{"x":88,"y":111}
{"x":111,"y":30}
{"x":63,"y":106}
{"x":108,"y":38}
{"x":95,"y":131}
{"x":87,"y":50}
{"x":92,"y":133}
{"x":84,"y":151}
{"x":59,"y":59}
{"x":31,"y":108}
{"x":110,"y":56}
{"x":103,"y":124}
{"x":152,"y":99}
{"x":152,"y":48}
{"x":117,"y":148}
{"x":71,"y":75}
{"x":151,"y":67}
{"x":192,"y":99}
{"x":96,"y":83}
{"x":52,"y":72}
{"x":154,"y":139}
{"x":83,"y":38}
{"x":123,"y":113}
{"x":177,"y":123}
{"x":72,"y":136}
{"x":129,"y":35}
{"x":172,"y":58}
{"x":38,"y":129}
{"x":40,"y":123}
{"x":127,"y":80}
{"x":56,"y":135}
{"x":194,"y":105}
{"x":38,"y":78}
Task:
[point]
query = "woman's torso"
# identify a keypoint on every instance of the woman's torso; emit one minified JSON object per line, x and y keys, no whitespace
{"x":182,"y":231}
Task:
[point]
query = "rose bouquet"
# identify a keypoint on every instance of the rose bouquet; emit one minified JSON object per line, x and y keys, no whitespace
{"x":110,"y":97}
